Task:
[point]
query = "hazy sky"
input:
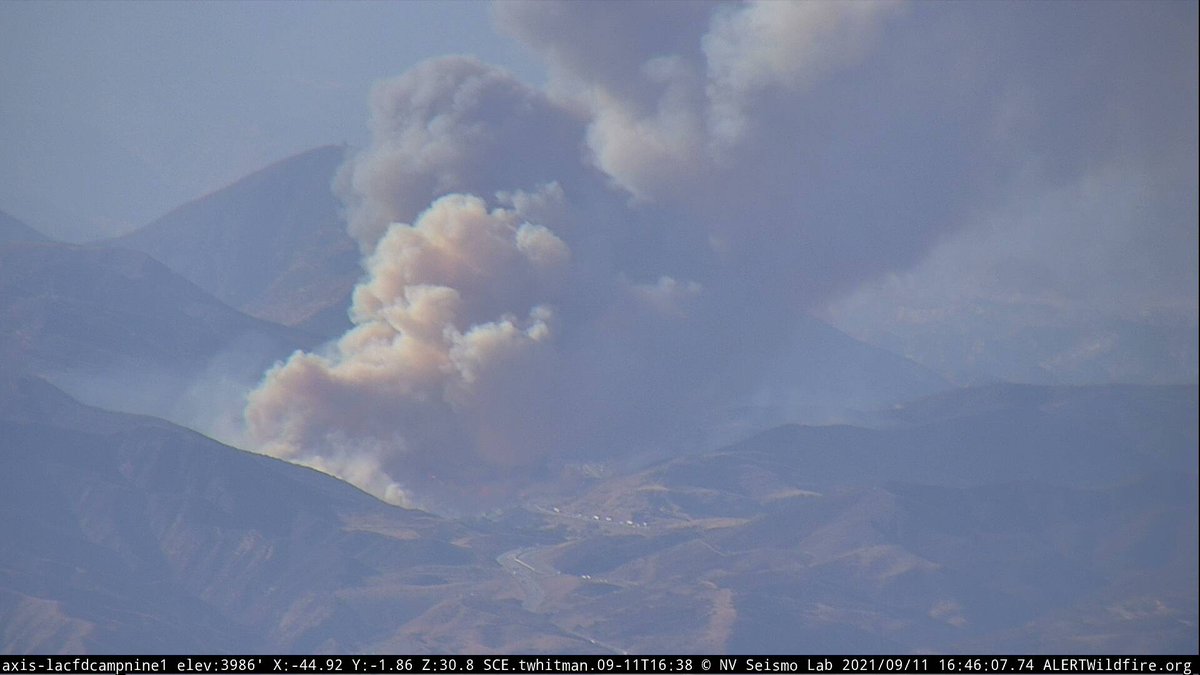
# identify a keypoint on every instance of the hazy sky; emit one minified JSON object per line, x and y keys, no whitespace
{"x":112,"y":113}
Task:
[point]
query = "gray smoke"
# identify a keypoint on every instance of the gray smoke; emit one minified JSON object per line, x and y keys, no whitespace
{"x":593,"y":270}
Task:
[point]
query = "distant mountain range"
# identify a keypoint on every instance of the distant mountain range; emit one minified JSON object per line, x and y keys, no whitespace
{"x":82,"y":307}
{"x":273,"y":244}
{"x":127,"y":534}
{"x":1001,"y":519}
{"x":1019,"y":342}
{"x":930,"y":518}
{"x":180,"y":318}
{"x":119,"y":329}
{"x":136,"y":535}
{"x":12,"y":229}
{"x":826,"y":372}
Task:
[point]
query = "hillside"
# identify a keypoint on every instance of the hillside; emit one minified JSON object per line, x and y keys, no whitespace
{"x":827,"y":372}
{"x":1000,"y":519}
{"x":136,"y":535}
{"x":119,"y":329}
{"x":272,"y":244}
{"x":135,"y":532}
{"x":12,"y":229}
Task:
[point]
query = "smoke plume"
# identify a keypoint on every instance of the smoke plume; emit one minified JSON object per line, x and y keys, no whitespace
{"x":592,"y":270}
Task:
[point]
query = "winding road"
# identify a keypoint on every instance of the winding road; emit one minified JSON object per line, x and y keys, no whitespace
{"x":529,"y":571}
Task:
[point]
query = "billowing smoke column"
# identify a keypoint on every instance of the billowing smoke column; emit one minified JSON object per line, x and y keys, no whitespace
{"x":591,"y":272}
{"x":456,"y":309}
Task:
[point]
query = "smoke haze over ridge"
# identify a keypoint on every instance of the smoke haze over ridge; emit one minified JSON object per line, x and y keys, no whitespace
{"x":592,"y":270}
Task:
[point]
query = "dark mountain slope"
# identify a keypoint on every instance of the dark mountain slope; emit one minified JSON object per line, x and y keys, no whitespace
{"x":128,"y":534}
{"x":77,"y":307}
{"x":1000,"y":519}
{"x":118,"y":329}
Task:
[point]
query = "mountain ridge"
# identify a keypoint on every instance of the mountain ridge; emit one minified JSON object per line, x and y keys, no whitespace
{"x":138,"y":535}
{"x":12,"y":229}
{"x":136,"y":532}
{"x":272,"y":244}
{"x":119,"y":329}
